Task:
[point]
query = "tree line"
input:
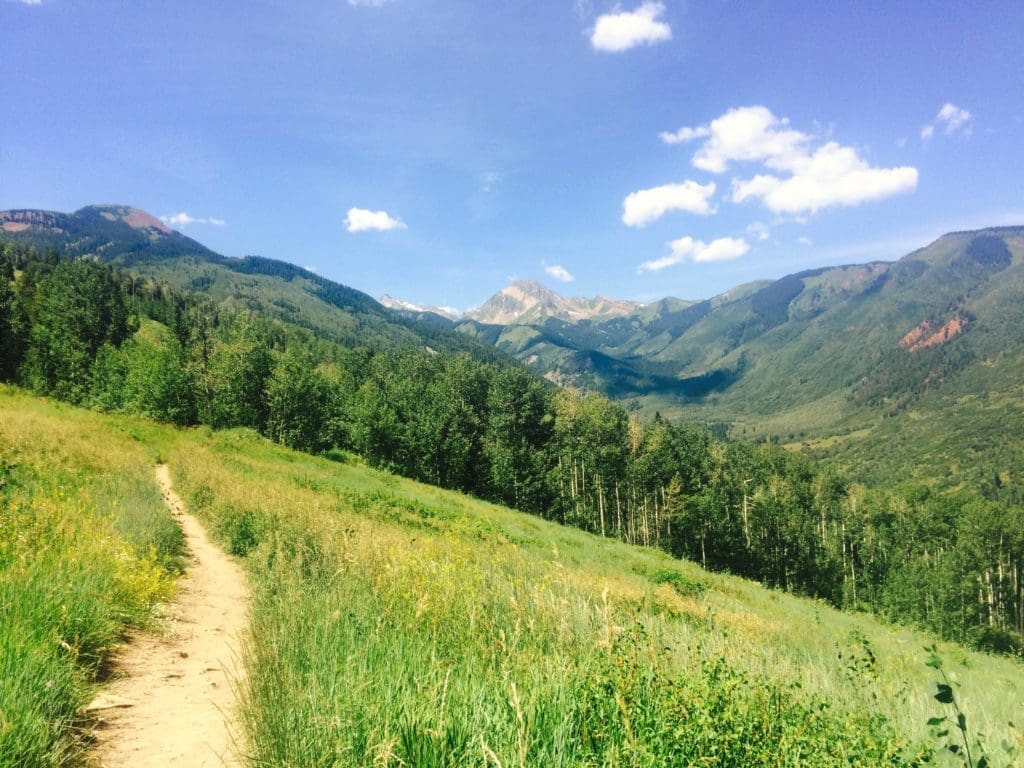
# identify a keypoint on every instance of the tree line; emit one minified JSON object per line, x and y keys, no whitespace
{"x":85,"y":333}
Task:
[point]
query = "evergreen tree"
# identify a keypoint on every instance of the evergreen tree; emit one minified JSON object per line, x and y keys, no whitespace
{"x":517,"y":440}
{"x":79,"y":307}
{"x":10,"y":356}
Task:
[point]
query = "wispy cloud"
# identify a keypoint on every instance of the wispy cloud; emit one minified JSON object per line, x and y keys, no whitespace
{"x":953,"y":120}
{"x":363,"y":220}
{"x":369,"y":3}
{"x":802,"y":178}
{"x":646,"y":205}
{"x":488,"y":180}
{"x":685,"y":134}
{"x":617,"y":32}
{"x":687,"y":249}
{"x":759,"y":230}
{"x":183,"y":220}
{"x":559,"y":272}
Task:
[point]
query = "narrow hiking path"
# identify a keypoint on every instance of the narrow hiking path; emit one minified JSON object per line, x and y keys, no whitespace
{"x":173,"y":701}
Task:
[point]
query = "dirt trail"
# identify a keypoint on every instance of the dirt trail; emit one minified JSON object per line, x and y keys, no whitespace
{"x":173,"y":703}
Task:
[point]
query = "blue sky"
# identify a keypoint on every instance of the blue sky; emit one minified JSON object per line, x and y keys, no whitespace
{"x":432,"y":149}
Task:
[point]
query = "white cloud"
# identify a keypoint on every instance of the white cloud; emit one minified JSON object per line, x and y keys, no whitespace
{"x":750,"y":134}
{"x":954,"y":118}
{"x":687,"y":249}
{"x":183,"y":220}
{"x":759,"y":230}
{"x":489,"y":180}
{"x":803,"y":179}
{"x":369,"y":3}
{"x":559,"y":272}
{"x":685,"y":134}
{"x":362,"y":220}
{"x":804,"y":240}
{"x":833,"y":175}
{"x":616,"y":32}
{"x":646,"y":205}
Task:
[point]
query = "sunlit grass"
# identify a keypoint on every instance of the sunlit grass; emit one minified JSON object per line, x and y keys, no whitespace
{"x":85,"y":548}
{"x":399,"y":624}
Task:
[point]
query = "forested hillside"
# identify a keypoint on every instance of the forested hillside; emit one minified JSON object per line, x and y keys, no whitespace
{"x":923,"y":352}
{"x":159,"y":258}
{"x":82,"y":332}
{"x":878,"y":333}
{"x":395,"y":618}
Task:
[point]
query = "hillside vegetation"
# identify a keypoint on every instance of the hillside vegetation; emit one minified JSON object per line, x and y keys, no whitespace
{"x":87,"y":550}
{"x":877,"y":350}
{"x":951,"y":563}
{"x":886,"y":347}
{"x":398,"y":624}
{"x":160,"y":261}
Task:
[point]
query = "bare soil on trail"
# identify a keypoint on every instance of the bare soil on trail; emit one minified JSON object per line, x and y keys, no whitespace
{"x":173,"y":701}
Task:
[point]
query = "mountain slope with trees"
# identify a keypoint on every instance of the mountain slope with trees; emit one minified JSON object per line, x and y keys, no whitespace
{"x":875,"y":350}
{"x":831,"y":330}
{"x":159,"y":258}
{"x":952,"y":563}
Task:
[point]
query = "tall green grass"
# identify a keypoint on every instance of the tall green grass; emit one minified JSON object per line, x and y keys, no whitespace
{"x":395,"y":624}
{"x":398,"y":625}
{"x":86,"y":551}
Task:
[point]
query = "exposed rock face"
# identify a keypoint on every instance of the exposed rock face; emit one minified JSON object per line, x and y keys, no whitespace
{"x":20,"y":220}
{"x":111,"y":232}
{"x":925,"y":335}
{"x":527,"y":301}
{"x":133,"y":217}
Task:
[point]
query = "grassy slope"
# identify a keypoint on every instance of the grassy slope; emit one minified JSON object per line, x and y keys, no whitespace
{"x":395,"y":621}
{"x":390,"y":611}
{"x":482,"y":606}
{"x":86,"y":550}
{"x":963,"y":433}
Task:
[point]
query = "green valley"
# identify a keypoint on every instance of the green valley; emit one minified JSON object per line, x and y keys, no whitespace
{"x":397,"y":624}
{"x":884,"y":347}
{"x":611,"y":625}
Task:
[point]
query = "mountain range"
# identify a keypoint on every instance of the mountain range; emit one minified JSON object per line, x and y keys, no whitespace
{"x":915,"y":358}
{"x":908,"y":367}
{"x":145,"y":247}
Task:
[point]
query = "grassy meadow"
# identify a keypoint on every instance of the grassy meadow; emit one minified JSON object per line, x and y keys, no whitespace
{"x":87,"y":550}
{"x":395,"y":624}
